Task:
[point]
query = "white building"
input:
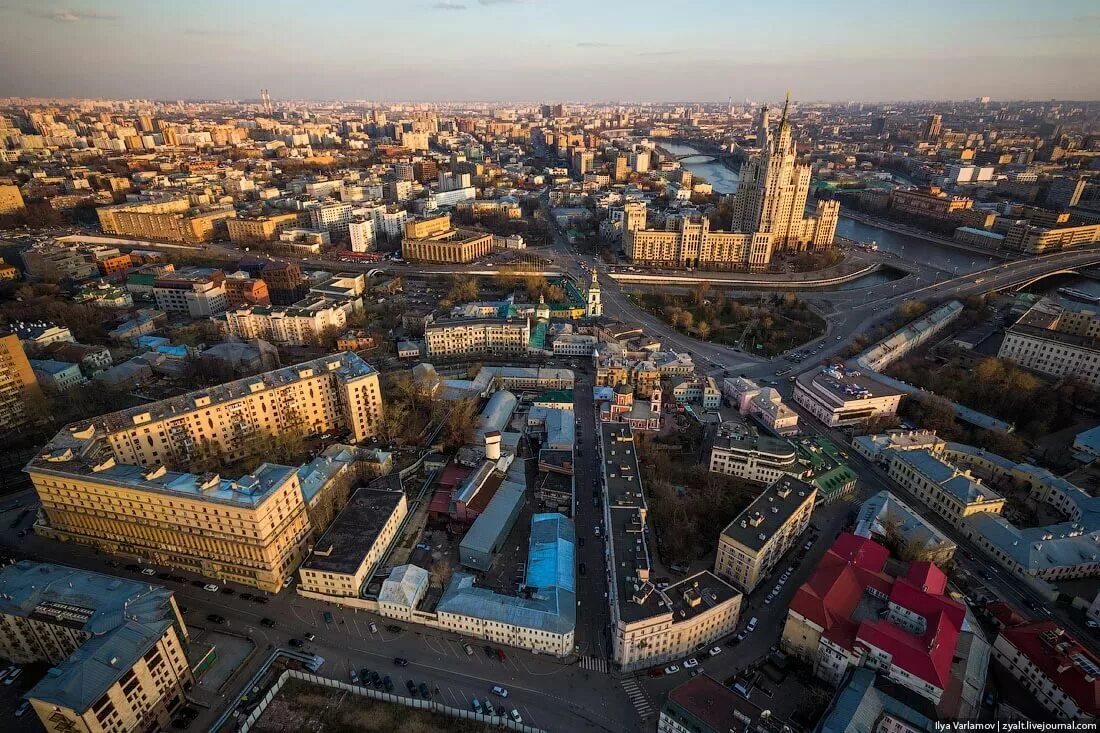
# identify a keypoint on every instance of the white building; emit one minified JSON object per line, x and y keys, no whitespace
{"x":331,"y":216}
{"x":739,"y":450}
{"x":361,"y":232}
{"x":458,"y":336}
{"x":572,"y":344}
{"x":838,"y":397}
{"x":303,"y":324}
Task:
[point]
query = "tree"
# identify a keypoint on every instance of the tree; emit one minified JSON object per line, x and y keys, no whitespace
{"x":699,"y":292}
{"x":463,"y":290}
{"x":703,"y":329}
{"x":460,"y":423}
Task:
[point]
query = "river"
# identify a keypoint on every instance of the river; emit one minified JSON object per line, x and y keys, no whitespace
{"x":905,"y":247}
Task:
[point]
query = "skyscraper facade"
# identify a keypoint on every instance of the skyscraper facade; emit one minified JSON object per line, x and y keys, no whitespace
{"x":771,"y":195}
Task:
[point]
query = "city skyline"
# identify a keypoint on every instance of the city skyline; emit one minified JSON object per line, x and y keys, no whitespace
{"x":509,"y":50}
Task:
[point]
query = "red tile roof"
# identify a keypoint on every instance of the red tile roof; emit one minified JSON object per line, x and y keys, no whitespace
{"x":852,"y":565}
{"x":1059,"y":655}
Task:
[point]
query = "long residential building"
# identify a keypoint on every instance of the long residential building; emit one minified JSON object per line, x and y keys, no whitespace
{"x":650,"y":625}
{"x":174,"y":220}
{"x":110,"y":482}
{"x":460,"y":336}
{"x":952,"y":493}
{"x":1057,"y":340}
{"x":305,"y":323}
{"x":118,"y":648}
{"x":689,"y":242}
{"x":751,"y":545}
{"x":1059,"y":672}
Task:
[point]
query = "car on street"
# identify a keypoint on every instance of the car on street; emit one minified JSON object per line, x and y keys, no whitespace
{"x":715,"y":651}
{"x":195,"y":583}
{"x":655,"y":673}
{"x":752,"y":625}
{"x":245,"y":596}
{"x":215,"y":619}
{"x":401,"y":661}
{"x":210,"y":588}
{"x":228,"y":591}
{"x":500,"y":691}
{"x":671,"y":669}
{"x":22,"y":709}
{"x":269,"y":623}
{"x":296,"y":643}
{"x":148,"y":571}
{"x":692,"y":662}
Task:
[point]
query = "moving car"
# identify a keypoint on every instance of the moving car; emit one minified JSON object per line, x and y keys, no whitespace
{"x":401,"y":661}
{"x":715,"y":651}
{"x":296,"y":643}
{"x":215,"y":619}
{"x":267,"y":622}
{"x":500,"y":691}
{"x":210,"y":587}
{"x":148,"y":571}
{"x":671,"y":669}
{"x":690,"y":663}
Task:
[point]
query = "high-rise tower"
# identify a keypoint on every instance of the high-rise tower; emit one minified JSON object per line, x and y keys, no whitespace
{"x":771,"y":195}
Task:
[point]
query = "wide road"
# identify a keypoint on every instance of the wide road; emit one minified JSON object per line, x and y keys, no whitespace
{"x":547,"y":693}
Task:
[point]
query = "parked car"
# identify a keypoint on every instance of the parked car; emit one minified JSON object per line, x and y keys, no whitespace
{"x":689,"y":663}
{"x":354,"y":677}
{"x":373,"y":627}
{"x":425,"y":692}
{"x":655,"y":673}
{"x":500,"y":655}
{"x":215,"y":619}
{"x":401,"y":661}
{"x":148,"y":571}
{"x":394,"y":628}
{"x":310,"y":636}
{"x":515,"y":716}
{"x":671,"y":669}
{"x":210,"y":588}
{"x":328,"y":617}
{"x":715,"y":651}
{"x":489,"y":709}
{"x":476,"y":705}
{"x":468,"y":649}
{"x":296,"y":643}
{"x":411,"y":687}
{"x":387,"y":683}
{"x":269,"y":623}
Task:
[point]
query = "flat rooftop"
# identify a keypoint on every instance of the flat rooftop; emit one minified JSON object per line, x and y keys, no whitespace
{"x":698,"y":594}
{"x":761,"y":519}
{"x":844,"y":385}
{"x":344,"y":545}
{"x":628,"y":534}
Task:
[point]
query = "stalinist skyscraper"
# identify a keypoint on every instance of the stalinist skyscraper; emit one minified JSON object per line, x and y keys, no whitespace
{"x":771,"y":195}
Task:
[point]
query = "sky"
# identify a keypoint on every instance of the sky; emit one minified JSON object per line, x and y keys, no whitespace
{"x":552,"y":50}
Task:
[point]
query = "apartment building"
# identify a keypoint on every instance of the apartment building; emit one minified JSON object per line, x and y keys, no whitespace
{"x":1054,"y":667}
{"x":197,"y":291}
{"x":107,"y":482}
{"x":705,"y":705}
{"x":459,"y":336}
{"x":361,"y":233}
{"x":174,"y":220}
{"x":118,"y":647}
{"x":837,"y":396}
{"x":651,"y":625}
{"x":241,"y":290}
{"x":332,"y":217}
{"x":689,"y":242}
{"x":1056,"y":339}
{"x":348,"y":552}
{"x":1035,"y":240}
{"x":11,"y":201}
{"x":760,"y":535}
{"x":260,"y":228}
{"x":952,"y":493}
{"x":306,"y":323}
{"x":18,"y":385}
{"x":739,"y":450}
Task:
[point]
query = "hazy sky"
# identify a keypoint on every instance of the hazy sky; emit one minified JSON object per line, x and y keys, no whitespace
{"x":703,"y":50}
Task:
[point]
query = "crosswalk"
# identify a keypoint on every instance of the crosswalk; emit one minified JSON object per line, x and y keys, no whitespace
{"x":595,"y":664}
{"x":638,"y":698}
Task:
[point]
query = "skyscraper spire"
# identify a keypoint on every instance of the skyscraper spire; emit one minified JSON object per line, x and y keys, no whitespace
{"x":786,"y":103}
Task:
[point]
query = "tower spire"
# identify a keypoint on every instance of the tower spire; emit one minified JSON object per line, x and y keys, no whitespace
{"x":786,"y":103}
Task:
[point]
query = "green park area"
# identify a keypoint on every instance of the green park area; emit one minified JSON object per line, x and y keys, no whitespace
{"x":768,"y":325}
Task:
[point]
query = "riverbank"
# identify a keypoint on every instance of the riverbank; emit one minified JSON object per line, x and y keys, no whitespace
{"x":892,"y":226}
